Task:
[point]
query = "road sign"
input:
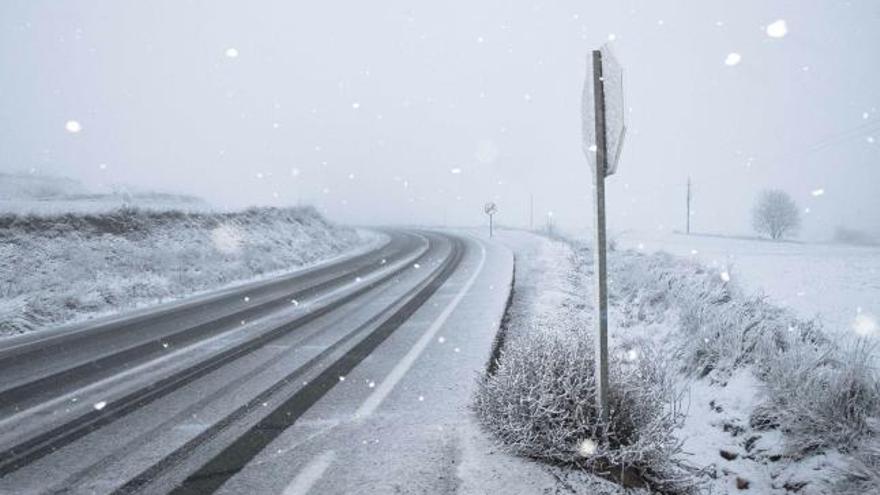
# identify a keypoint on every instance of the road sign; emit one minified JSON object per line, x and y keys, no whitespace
{"x":490,"y":208}
{"x":613,"y":107}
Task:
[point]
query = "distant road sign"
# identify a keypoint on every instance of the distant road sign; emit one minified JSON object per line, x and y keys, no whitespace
{"x":614,"y":109}
{"x":490,"y":208}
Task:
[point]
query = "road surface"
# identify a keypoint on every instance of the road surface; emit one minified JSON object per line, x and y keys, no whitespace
{"x":351,"y":376}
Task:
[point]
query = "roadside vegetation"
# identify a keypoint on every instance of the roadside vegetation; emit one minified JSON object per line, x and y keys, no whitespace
{"x":56,"y":269}
{"x":539,"y":400}
{"x":684,"y":323}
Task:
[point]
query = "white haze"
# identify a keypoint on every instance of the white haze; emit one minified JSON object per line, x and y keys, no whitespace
{"x":419,"y":112}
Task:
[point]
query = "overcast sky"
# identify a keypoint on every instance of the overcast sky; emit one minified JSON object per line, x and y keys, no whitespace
{"x":419,"y":112}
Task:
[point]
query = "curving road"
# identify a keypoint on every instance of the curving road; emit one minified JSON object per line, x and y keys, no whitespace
{"x":262,"y":388}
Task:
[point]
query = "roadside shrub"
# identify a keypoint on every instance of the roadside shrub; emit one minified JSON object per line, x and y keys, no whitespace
{"x":820,"y":396}
{"x":862,"y":473}
{"x":541,"y":403}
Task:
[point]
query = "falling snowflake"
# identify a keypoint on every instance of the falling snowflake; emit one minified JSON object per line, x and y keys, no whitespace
{"x":732,"y":59}
{"x":612,"y":37}
{"x":632,"y":355}
{"x":421,"y":398}
{"x":341,"y":378}
{"x":870,"y":139}
{"x":247,"y":299}
{"x":72,"y":126}
{"x":777,"y":29}
{"x":864,"y":325}
{"x":232,"y":52}
{"x":456,"y":171}
{"x":725,"y":276}
{"x":226,"y":239}
{"x":355,"y":105}
{"x":441,"y":339}
{"x":294,"y":302}
{"x":100,"y":405}
{"x":417,"y":266}
{"x":818,"y":192}
{"x":372,"y":384}
{"x":586,"y":447}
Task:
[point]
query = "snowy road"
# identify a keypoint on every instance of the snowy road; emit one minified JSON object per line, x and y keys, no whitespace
{"x":350,"y":376}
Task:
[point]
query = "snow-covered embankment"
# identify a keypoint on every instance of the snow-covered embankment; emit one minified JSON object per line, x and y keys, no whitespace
{"x":59,"y":269}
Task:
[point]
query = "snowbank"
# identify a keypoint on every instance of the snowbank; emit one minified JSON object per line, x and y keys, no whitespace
{"x":63,"y":268}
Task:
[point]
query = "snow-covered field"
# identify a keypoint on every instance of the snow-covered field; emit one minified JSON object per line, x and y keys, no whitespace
{"x":836,"y":283}
{"x":24,"y":194}
{"x":59,"y":269}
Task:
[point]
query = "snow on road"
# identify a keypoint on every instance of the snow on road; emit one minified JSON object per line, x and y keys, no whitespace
{"x":400,"y":421}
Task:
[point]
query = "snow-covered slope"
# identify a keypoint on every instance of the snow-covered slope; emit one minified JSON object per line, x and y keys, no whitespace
{"x":62,"y":268}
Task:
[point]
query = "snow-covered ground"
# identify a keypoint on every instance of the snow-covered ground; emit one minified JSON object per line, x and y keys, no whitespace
{"x":60,"y":269}
{"x":837,"y":283}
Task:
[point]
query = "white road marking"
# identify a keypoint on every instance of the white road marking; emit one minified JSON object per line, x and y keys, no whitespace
{"x":390,"y":381}
{"x":310,"y":474}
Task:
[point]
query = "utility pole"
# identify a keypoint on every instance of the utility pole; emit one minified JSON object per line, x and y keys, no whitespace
{"x":688,"y":220}
{"x":531,"y":212}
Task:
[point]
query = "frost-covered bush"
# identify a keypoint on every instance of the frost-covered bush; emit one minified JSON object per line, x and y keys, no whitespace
{"x":541,"y":403}
{"x":56,"y":269}
{"x":862,"y":473}
{"x":819,"y":395}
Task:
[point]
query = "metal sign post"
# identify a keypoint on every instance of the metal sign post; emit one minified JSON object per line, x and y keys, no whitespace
{"x":490,"y":208}
{"x":603,"y":132}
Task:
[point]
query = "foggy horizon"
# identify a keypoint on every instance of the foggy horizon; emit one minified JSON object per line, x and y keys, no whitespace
{"x":419,"y":114}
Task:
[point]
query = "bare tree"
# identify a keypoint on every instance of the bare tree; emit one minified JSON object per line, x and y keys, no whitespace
{"x":775,"y":214}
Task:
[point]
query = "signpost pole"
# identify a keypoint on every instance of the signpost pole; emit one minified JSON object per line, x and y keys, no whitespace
{"x":600,"y":254}
{"x":490,"y":209}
